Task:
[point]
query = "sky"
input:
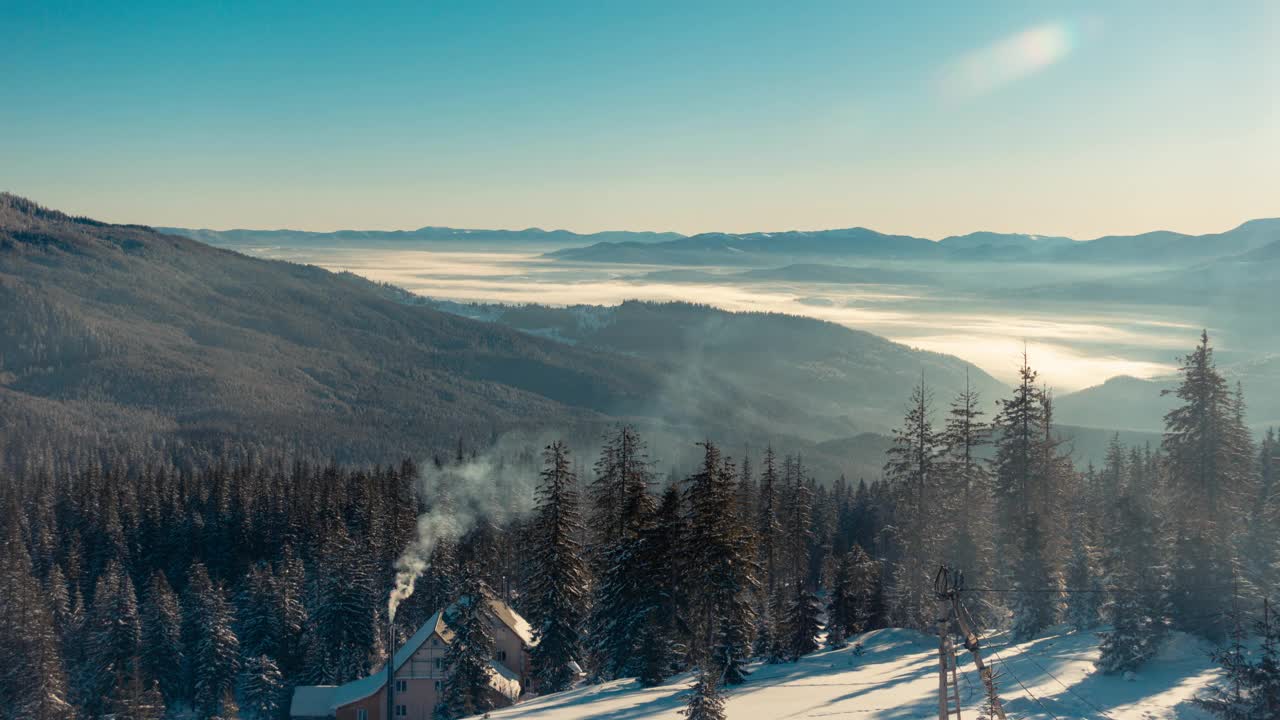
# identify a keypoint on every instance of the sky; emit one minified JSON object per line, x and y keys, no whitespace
{"x":923,"y":118}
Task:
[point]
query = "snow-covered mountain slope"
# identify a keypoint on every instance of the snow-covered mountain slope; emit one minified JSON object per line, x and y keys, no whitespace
{"x":895,"y":678}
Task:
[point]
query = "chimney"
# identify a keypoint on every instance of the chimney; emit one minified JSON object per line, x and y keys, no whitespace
{"x":391,"y":668}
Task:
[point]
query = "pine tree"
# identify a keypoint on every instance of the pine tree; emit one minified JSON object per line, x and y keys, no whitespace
{"x":705,"y":699}
{"x":135,"y":700}
{"x":1135,"y":603}
{"x":912,"y":471}
{"x":114,"y":636}
{"x":768,"y":543}
{"x":32,"y":681}
{"x":1083,"y":607}
{"x":559,"y":592}
{"x":466,"y":687}
{"x":1231,"y":699}
{"x":261,"y":688}
{"x":804,"y":624}
{"x":622,"y":510}
{"x":1018,"y":428}
{"x":1210,"y":462}
{"x":842,"y":608}
{"x":663,"y":568}
{"x":347,"y":607}
{"x":1034,"y":607}
{"x":213,"y":651}
{"x":968,"y":479}
{"x":162,"y":652}
{"x":718,"y":546}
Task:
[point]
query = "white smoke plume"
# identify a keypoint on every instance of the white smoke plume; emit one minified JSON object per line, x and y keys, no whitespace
{"x":492,"y":487}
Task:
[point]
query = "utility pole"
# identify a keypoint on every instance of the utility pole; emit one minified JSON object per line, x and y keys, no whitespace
{"x":947,"y":586}
{"x":944,"y":623}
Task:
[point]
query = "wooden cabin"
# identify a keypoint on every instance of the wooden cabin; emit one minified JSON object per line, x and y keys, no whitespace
{"x":420,"y":673}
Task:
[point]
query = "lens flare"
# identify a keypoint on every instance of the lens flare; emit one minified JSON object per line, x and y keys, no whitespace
{"x":1008,"y":60}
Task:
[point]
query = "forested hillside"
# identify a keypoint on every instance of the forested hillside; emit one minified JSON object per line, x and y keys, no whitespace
{"x":119,"y":336}
{"x":820,"y":379}
{"x":135,"y":588}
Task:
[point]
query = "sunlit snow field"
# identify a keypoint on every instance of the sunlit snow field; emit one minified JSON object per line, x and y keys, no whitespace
{"x":896,"y":678}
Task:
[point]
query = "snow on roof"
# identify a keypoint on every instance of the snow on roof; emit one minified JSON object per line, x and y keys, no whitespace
{"x":513,"y":620}
{"x":435,"y":625}
{"x":312,"y":701}
{"x":504,"y":680}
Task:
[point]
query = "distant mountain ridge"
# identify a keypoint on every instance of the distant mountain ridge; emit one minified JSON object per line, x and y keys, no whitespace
{"x":796,"y":246}
{"x":428,"y":234}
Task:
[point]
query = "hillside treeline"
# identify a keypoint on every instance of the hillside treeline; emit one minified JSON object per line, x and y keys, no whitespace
{"x":140,"y":589}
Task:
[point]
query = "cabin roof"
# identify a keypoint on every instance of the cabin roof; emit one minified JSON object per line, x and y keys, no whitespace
{"x":435,"y":625}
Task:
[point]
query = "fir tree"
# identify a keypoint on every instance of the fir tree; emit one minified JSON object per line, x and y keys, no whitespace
{"x":803,"y":624}
{"x":912,"y":471}
{"x":213,"y":651}
{"x":622,"y":510}
{"x":135,"y":700}
{"x":32,"y":681}
{"x":1018,"y":427}
{"x":162,"y":652}
{"x":842,"y":608}
{"x":466,"y":687}
{"x":261,"y":688}
{"x":768,"y":543}
{"x":968,"y":479}
{"x":719,"y":548}
{"x":705,"y":699}
{"x":114,"y":636}
{"x":1083,"y":607}
{"x":1035,"y":603}
{"x":1210,"y":461}
{"x":1135,"y":603}
{"x":559,"y":592}
{"x":663,"y":569}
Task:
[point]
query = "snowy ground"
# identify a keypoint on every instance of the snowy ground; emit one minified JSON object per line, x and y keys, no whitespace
{"x":896,"y":678}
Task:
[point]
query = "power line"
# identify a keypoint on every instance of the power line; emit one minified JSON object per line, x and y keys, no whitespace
{"x":1069,"y":591}
{"x":1026,"y":689}
{"x":1066,"y":687}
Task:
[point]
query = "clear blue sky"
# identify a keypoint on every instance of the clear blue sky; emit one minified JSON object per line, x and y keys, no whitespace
{"x":1076,"y":118}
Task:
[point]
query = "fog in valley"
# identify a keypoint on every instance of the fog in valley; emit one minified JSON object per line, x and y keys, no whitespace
{"x":1075,"y":343}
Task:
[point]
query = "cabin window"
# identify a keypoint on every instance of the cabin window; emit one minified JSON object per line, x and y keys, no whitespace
{"x":402,"y":685}
{"x":402,"y":710}
{"x":500,"y":656}
{"x":439,"y":686}
{"x":362,"y":714}
{"x":435,"y":641}
{"x":439,"y":663}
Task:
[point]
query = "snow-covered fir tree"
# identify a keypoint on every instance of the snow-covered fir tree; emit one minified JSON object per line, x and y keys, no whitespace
{"x":213,"y":650}
{"x":622,"y":508}
{"x":114,"y":635}
{"x":559,"y":593}
{"x":718,"y":546}
{"x":261,"y":689}
{"x":1210,"y":462}
{"x":1135,"y":604}
{"x":842,"y":609}
{"x":913,"y":472}
{"x":768,"y":550}
{"x":804,"y":624}
{"x":968,"y":480}
{"x":706,"y":701}
{"x":1082,"y":579}
{"x":664,"y":568}
{"x":163,"y":656}
{"x":33,"y":683}
{"x":466,"y":686}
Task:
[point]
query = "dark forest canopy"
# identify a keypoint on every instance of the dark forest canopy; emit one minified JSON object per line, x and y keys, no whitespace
{"x":136,"y":584}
